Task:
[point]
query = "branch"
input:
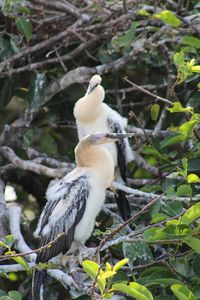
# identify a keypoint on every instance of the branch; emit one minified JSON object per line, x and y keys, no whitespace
{"x":14,"y":218}
{"x":4,"y":228}
{"x":147,"y":92}
{"x":129,"y":190}
{"x":28,"y":165}
{"x":64,"y":7}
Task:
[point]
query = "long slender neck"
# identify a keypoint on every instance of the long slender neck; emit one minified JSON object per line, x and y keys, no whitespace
{"x":88,"y":107}
{"x":98,"y":159}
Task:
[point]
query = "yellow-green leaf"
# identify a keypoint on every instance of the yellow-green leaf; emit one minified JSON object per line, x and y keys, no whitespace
{"x":191,"y":214}
{"x":120,"y":264}
{"x":182,"y":292}
{"x":91,"y":268}
{"x":193,"y":242}
{"x":168,"y":17}
{"x":195,"y":69}
{"x":193,"y":178}
{"x":20,"y":260}
{"x":108,"y":274}
{"x":155,"y":108}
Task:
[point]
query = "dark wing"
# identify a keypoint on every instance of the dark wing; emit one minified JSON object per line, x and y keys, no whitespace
{"x":115,"y":127}
{"x":60,"y":217}
{"x":122,"y":201}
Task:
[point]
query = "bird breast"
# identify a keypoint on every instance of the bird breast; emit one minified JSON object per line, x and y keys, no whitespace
{"x":94,"y":204}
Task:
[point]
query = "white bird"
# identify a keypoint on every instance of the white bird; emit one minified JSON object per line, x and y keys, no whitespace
{"x":92,"y":115}
{"x":74,"y":201}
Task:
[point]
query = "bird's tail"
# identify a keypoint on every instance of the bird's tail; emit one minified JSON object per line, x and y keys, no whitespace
{"x":37,"y":281}
{"x":123,"y":204}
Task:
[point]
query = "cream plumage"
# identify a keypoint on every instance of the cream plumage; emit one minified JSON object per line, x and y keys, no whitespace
{"x":93,"y":115}
{"x":74,"y":201}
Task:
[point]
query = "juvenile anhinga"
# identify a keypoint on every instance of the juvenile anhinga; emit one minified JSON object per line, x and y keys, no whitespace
{"x":93,"y":115}
{"x":74,"y":201}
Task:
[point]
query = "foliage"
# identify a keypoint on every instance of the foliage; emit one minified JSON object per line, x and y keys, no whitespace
{"x":48,"y":52}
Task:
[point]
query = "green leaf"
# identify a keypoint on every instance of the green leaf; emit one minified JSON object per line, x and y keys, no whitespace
{"x":184,"y":190}
{"x":187,"y":128}
{"x":155,"y":108}
{"x":20,"y":260}
{"x":195,"y":69}
{"x":172,"y":140}
{"x":120,"y":264}
{"x":153,"y":234}
{"x":168,"y":17}
{"x":191,"y":41}
{"x":108,"y":274}
{"x":48,"y":143}
{"x":126,"y":39}
{"x":90,"y":267}
{"x":137,"y":252}
{"x":177,"y":107}
{"x":14,"y":295}
{"x":9,"y":240}
{"x":134,"y":289}
{"x":2,"y":244}
{"x":158,"y":217}
{"x":182,"y":292}
{"x":179,"y":58}
{"x":193,"y":178}
{"x":25,"y":27}
{"x":193,"y":242}
{"x":143,"y":12}
{"x":191,"y":214}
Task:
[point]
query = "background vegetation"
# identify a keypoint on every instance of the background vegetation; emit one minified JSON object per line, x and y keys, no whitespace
{"x":48,"y":53}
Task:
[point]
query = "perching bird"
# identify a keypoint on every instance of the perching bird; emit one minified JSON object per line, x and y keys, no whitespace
{"x":93,"y":115}
{"x":74,"y":201}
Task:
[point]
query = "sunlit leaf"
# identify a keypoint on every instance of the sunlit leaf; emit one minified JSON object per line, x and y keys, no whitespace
{"x":9,"y":240}
{"x":193,"y":178}
{"x":20,"y":260}
{"x":168,"y":17}
{"x":172,"y":140}
{"x":134,"y":289}
{"x":191,"y":214}
{"x":90,"y":267}
{"x":108,"y":274}
{"x":177,"y":107}
{"x":195,"y":69}
{"x":143,"y":12}
{"x":182,"y":292}
{"x":120,"y":264}
{"x":155,"y":108}
{"x":153,"y":234}
{"x":193,"y":242}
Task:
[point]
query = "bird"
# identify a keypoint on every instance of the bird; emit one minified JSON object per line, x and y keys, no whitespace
{"x":74,"y":201}
{"x":92,"y":114}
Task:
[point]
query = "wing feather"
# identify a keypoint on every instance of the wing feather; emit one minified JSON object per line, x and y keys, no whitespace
{"x":116,"y":127}
{"x":61,"y":216}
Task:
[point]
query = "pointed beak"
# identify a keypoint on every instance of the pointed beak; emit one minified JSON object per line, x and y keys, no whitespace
{"x":119,"y":136}
{"x":105,"y":137}
{"x":91,"y":88}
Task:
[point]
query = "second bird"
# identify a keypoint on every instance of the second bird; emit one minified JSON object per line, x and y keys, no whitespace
{"x":92,"y":115}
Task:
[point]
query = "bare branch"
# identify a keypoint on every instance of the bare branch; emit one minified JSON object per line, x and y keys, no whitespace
{"x":4,"y":228}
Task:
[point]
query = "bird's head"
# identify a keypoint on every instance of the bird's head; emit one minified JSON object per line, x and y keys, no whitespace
{"x":95,"y":81}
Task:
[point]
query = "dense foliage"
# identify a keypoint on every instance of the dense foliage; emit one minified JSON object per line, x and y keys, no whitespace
{"x":147,"y":53}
